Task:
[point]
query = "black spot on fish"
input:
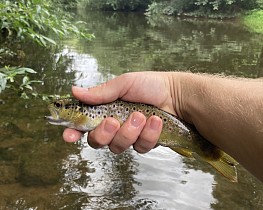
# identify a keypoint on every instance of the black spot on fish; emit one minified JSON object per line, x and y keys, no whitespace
{"x":81,"y":109}
{"x":153,"y":113}
{"x":180,"y":133}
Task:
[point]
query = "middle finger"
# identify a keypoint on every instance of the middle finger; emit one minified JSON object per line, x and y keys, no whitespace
{"x":128,"y":133}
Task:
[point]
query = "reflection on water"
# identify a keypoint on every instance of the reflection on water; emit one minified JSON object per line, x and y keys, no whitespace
{"x":85,"y":68}
{"x":39,"y":171}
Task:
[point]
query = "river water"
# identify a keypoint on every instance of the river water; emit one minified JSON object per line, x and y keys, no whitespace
{"x":38,"y":170}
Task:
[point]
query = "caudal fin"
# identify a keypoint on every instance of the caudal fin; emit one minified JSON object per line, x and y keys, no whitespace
{"x":225,"y":165}
{"x":226,"y":169}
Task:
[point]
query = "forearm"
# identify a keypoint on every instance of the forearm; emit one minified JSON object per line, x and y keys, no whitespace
{"x":227,"y":112}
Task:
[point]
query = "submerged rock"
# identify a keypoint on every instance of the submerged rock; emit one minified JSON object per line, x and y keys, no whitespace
{"x":39,"y":167}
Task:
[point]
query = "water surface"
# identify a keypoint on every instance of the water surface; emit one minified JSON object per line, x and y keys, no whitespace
{"x":40,"y":171}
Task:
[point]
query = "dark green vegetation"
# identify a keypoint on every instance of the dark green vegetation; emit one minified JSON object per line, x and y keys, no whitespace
{"x":204,"y":8}
{"x":117,"y":5}
{"x":31,"y":21}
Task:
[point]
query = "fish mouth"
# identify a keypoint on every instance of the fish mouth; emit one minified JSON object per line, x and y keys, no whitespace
{"x":54,"y":121}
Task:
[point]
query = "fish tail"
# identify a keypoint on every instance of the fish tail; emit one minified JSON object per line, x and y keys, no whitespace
{"x":225,"y":165}
{"x":226,"y":168}
{"x":228,"y":159}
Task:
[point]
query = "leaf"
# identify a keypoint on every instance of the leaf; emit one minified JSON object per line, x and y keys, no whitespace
{"x":29,"y":87}
{"x":28,"y":70}
{"x":25,"y":80}
{"x":24,"y":96}
{"x":38,"y":8}
{"x":50,"y":40}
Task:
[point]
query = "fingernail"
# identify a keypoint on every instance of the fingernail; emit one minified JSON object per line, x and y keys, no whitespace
{"x":136,"y":120}
{"x":155,"y":124}
{"x":110,"y":126}
{"x":77,"y":88}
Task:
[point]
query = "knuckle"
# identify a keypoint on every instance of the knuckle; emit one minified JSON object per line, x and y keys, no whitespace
{"x":116,"y":149}
{"x":141,"y":148}
{"x":126,"y":136}
{"x":145,"y":144}
{"x":94,"y":141}
{"x":148,"y":140}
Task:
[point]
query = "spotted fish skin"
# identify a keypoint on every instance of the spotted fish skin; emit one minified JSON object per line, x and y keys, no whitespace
{"x":176,"y":134}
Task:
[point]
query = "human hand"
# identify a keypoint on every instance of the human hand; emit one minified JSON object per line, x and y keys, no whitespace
{"x":155,"y":88}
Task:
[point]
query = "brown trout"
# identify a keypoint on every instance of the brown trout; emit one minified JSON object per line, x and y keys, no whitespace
{"x":176,"y":134}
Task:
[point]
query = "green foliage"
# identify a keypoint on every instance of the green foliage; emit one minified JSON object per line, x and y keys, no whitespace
{"x":260,"y":3}
{"x":215,"y":8}
{"x":121,"y":5}
{"x":170,"y":7}
{"x":254,"y":21}
{"x":17,"y":79}
{"x":211,"y":8}
{"x":66,"y":4}
{"x":35,"y":19}
{"x":9,"y":79}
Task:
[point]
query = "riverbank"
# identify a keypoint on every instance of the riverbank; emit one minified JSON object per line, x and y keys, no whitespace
{"x":254,"y":21}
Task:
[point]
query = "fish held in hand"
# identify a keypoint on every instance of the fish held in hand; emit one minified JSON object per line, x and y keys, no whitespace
{"x":176,"y":134}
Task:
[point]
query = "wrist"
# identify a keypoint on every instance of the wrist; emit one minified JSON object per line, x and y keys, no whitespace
{"x":188,"y":90}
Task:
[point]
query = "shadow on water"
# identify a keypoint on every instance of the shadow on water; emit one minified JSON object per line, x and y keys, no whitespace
{"x":39,"y":171}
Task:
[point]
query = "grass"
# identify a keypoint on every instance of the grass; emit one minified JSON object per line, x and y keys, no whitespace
{"x":254,"y":21}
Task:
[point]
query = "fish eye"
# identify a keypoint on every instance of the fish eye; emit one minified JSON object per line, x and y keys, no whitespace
{"x":57,"y":104}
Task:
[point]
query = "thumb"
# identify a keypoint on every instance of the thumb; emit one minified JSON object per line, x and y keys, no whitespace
{"x":106,"y":92}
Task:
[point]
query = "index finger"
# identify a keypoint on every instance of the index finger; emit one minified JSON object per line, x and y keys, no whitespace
{"x":71,"y":135}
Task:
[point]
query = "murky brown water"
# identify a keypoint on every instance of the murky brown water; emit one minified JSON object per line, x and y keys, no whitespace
{"x":40,"y":171}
